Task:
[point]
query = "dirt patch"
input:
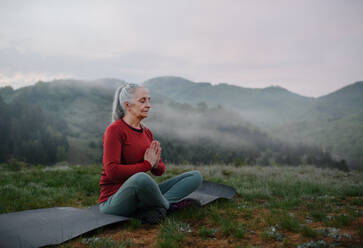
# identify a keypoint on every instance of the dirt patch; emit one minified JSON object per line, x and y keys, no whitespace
{"x":256,"y":225}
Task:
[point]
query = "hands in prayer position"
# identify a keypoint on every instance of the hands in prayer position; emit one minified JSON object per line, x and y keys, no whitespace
{"x":152,"y":154}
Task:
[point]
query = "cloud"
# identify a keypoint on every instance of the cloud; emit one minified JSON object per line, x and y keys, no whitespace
{"x":18,"y":80}
{"x":309,"y":47}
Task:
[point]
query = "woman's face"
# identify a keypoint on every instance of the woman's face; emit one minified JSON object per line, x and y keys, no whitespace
{"x":141,"y":103}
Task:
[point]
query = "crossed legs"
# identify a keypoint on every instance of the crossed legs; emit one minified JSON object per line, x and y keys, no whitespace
{"x":140,"y":191}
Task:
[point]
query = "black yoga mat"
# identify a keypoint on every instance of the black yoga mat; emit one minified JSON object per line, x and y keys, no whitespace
{"x":51,"y":226}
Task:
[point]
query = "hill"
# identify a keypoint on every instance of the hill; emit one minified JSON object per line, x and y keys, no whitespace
{"x":83,"y":106}
{"x":189,"y":134}
{"x":331,"y":122}
{"x":341,"y":103}
{"x":28,"y":133}
{"x":266,"y":108}
{"x":334,"y":122}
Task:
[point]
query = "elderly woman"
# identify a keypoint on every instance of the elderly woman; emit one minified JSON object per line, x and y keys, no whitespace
{"x":129,"y":152}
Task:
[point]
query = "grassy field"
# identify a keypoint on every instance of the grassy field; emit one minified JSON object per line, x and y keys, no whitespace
{"x":274,"y":207}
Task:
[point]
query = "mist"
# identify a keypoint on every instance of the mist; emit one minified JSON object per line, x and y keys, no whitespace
{"x":194,"y":124}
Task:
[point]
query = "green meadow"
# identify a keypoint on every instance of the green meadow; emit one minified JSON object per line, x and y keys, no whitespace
{"x":274,"y":206}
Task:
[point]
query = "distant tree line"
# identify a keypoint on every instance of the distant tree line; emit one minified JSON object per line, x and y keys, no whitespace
{"x":207,"y":151}
{"x":31,"y":135}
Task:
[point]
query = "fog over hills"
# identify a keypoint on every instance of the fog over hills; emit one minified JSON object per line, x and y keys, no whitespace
{"x":333,"y":122}
{"x":267,"y":107}
{"x":204,"y":123}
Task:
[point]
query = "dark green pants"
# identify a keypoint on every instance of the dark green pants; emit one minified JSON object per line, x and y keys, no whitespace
{"x":140,"y":191}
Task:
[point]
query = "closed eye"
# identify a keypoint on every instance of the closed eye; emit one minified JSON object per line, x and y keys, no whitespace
{"x":143,"y":100}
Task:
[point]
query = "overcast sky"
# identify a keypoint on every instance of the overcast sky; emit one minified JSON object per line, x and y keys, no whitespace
{"x":309,"y":47}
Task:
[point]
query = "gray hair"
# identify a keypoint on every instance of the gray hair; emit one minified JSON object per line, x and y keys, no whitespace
{"x":124,"y":93}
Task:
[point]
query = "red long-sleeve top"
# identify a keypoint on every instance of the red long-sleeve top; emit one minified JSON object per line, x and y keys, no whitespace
{"x":123,"y":156}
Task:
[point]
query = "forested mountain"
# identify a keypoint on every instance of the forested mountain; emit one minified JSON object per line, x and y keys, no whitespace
{"x":266,"y":108}
{"x":83,"y":106}
{"x":28,"y":133}
{"x":332,"y":122}
{"x":194,"y":134}
{"x":344,"y":102}
{"x":215,"y":135}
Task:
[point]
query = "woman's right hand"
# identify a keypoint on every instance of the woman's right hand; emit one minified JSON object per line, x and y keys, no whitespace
{"x":152,"y":154}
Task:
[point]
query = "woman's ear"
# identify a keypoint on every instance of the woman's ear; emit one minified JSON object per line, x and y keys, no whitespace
{"x":126,"y":104}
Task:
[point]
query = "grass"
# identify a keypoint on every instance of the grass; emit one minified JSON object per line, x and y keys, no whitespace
{"x":43,"y":187}
{"x":289,"y":222}
{"x":360,"y":232}
{"x":318,"y":214}
{"x":341,"y":220}
{"x":206,"y":232}
{"x":171,"y":234}
{"x":99,"y":242}
{"x":309,"y":232}
{"x":274,"y":206}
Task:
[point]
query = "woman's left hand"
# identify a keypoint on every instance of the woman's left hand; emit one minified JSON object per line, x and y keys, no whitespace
{"x":153,"y":153}
{"x":157,"y":148}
